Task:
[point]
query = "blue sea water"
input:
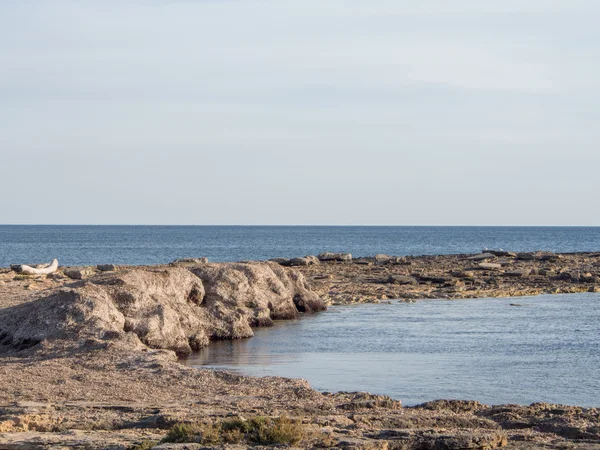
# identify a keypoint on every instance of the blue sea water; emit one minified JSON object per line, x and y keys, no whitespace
{"x":485,"y":350}
{"x":87,"y":245}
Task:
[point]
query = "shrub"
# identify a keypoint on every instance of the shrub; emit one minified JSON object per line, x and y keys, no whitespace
{"x":183,"y":432}
{"x":258,"y":430}
{"x":281,"y":430}
{"x":144,"y":445}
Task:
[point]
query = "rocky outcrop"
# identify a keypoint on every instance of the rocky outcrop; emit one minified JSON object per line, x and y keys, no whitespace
{"x":493,"y":273}
{"x":327,"y":256}
{"x":296,"y":262}
{"x":261,"y":292}
{"x":179,"y":309}
{"x":78,"y":273}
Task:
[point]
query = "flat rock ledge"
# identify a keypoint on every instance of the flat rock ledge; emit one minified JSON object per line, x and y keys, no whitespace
{"x":493,"y":273}
{"x":89,"y":360}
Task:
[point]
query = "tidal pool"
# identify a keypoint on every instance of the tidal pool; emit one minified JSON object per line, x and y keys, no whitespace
{"x":547,"y":349}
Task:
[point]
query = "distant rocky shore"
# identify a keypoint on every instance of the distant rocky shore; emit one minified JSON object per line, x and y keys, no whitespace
{"x":341,"y":279}
{"x":88,"y":355}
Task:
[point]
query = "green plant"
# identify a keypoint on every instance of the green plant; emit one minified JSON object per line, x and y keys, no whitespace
{"x":144,"y":445}
{"x":183,"y":432}
{"x":281,"y":430}
{"x":258,"y":430}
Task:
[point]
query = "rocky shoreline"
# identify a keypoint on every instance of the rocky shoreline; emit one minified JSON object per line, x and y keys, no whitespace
{"x":341,"y":279}
{"x":88,"y":355}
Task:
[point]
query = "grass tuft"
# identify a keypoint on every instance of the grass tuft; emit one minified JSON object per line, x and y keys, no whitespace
{"x":256,"y":430}
{"x":144,"y":445}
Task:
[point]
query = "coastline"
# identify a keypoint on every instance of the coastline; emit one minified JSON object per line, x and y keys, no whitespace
{"x":88,"y":357}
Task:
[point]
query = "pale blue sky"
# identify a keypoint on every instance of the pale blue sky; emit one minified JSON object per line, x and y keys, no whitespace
{"x":464,"y":112}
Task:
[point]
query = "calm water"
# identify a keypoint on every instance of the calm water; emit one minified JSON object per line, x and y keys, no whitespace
{"x":547,"y":350}
{"x":87,"y":245}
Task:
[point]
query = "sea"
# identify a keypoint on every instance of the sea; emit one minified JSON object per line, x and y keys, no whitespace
{"x":139,"y":245}
{"x":546,"y":349}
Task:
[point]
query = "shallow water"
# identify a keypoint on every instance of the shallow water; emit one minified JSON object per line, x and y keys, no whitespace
{"x":486,"y":350}
{"x":89,"y":245}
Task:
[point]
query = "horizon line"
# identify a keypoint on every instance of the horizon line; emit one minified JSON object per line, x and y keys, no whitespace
{"x":285,"y":225}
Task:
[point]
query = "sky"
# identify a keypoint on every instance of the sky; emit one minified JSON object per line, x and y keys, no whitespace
{"x":347,"y":112}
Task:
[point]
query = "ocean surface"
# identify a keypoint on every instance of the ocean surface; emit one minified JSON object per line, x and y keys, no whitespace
{"x":89,"y":245}
{"x":486,"y":350}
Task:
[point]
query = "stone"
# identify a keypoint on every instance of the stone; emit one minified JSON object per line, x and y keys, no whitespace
{"x":327,"y":256}
{"x":436,"y":279}
{"x":402,"y":261}
{"x":363,"y":261}
{"x":589,"y":278}
{"x":189,"y":261}
{"x":500,"y":253}
{"x":481,"y":257}
{"x":526,"y":256}
{"x":106,"y":267}
{"x":297,"y":262}
{"x":78,"y":273}
{"x":383,"y":259}
{"x":463,"y":274}
{"x":489,"y":266}
{"x":504,"y":261}
{"x":402,"y":280}
{"x":518,"y":273}
{"x":538,"y":256}
{"x":573,"y":276}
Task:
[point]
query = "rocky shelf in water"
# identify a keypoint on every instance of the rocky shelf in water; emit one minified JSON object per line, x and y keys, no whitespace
{"x":88,"y":355}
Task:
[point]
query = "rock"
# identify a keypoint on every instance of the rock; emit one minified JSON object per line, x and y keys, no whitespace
{"x":335,"y":257}
{"x":454,"y":283}
{"x":538,"y":256}
{"x":526,"y":256}
{"x":464,"y":274}
{"x":436,"y":279}
{"x":402,"y":261}
{"x":189,"y":261}
{"x":282,"y":261}
{"x":233,"y":287}
{"x":489,"y":266}
{"x":299,"y":262}
{"x":363,"y":261}
{"x":106,"y":267}
{"x":589,"y":278}
{"x":500,"y":253}
{"x":573,"y":276}
{"x":78,"y":273}
{"x":383,"y":259}
{"x":547,"y":256}
{"x":402,"y":280}
{"x":504,"y":261}
{"x":304,"y":261}
{"x":481,"y":257}
{"x":162,"y":308}
{"x":518,"y":273}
